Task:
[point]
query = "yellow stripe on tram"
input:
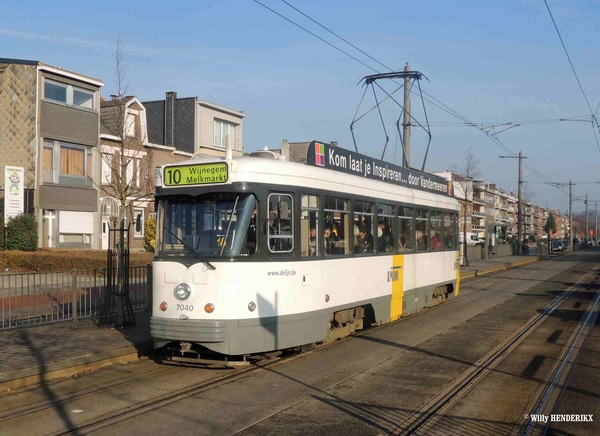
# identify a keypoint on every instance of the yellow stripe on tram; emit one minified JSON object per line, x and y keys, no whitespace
{"x":396,"y":277}
{"x":457,"y":268}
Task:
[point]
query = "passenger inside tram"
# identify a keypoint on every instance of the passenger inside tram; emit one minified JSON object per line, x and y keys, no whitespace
{"x":364,"y":241}
{"x":331,"y":242}
{"x":312,"y":242}
{"x":385,"y":241}
{"x":436,"y":241}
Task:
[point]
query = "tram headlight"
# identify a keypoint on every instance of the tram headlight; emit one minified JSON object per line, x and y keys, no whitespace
{"x":182,"y":291}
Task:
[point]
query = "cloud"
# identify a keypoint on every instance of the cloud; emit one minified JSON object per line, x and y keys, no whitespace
{"x":55,"y":39}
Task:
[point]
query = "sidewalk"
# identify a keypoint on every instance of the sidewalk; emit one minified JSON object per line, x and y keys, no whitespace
{"x":482,"y":267}
{"x":36,"y":354}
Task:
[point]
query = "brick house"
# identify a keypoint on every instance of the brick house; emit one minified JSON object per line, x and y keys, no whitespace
{"x":193,"y":126}
{"x":155,"y":133}
{"x":49,"y":125}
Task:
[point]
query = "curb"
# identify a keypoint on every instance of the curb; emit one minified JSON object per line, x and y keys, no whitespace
{"x":67,"y":368}
{"x":478,"y":273}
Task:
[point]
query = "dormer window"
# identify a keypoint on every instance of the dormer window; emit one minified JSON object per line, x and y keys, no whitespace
{"x":58,"y":92}
{"x":222,"y":129}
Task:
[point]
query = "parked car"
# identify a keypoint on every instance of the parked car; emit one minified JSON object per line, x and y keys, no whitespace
{"x":473,"y":239}
{"x":558,"y":246}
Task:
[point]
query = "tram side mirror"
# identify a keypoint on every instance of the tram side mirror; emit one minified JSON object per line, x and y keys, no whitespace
{"x":103,"y":227}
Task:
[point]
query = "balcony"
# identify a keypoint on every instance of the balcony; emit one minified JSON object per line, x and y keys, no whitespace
{"x":476,"y":227}
{"x":220,"y":141}
{"x":479,"y":200}
{"x":511,"y":209}
{"x":478,"y":213}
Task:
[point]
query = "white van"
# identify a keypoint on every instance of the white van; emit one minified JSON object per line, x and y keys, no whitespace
{"x":473,"y":239}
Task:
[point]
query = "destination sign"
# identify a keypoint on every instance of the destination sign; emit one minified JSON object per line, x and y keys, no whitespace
{"x":199,"y":174}
{"x":324,"y":155}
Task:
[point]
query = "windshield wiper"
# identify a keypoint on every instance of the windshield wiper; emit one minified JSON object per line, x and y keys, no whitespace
{"x":196,"y":255}
{"x":229,"y":226}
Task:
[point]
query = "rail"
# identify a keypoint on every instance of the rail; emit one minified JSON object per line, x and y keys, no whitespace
{"x":39,"y":298}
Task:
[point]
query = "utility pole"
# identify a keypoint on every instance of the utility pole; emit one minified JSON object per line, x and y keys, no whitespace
{"x":406,"y":121}
{"x":520,"y":199}
{"x":586,"y":220}
{"x":595,"y":222}
{"x":570,"y":215}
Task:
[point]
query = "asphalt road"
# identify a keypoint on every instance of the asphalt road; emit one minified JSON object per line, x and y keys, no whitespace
{"x":366,"y":385}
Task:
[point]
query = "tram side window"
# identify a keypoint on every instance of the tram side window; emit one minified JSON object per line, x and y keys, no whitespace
{"x":436,"y":230}
{"x":386,"y":230}
{"x":337,"y":236}
{"x":422,"y":230}
{"x":405,"y":229}
{"x":280,"y":224}
{"x":449,"y":236}
{"x":364,"y":226}
{"x":309,"y":226}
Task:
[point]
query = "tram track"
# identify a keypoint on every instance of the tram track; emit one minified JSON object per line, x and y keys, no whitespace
{"x":162,"y":401}
{"x":424,"y":419}
{"x":550,"y":392}
{"x":110,"y":418}
{"x":30,"y":409}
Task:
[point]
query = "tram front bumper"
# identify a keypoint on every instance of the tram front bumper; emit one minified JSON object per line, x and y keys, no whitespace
{"x":164,"y":330}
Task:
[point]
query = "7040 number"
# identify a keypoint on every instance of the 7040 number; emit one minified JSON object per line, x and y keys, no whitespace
{"x":187,"y":307}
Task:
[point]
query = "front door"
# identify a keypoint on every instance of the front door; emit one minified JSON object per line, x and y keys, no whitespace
{"x":105,"y":229}
{"x":49,"y":228}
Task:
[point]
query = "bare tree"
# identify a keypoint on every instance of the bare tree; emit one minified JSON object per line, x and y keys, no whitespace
{"x":464,"y":177}
{"x":124,"y":174}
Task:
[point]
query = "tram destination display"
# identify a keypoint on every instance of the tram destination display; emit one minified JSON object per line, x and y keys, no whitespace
{"x":324,"y":155}
{"x":198,"y":174}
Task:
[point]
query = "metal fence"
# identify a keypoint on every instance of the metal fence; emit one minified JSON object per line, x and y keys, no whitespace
{"x":36,"y":298}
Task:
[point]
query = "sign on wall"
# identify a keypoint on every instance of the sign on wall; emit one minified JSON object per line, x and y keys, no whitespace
{"x":13,"y":191}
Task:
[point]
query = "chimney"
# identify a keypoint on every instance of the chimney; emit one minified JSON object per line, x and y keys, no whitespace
{"x":170,"y":98}
{"x":334,"y":143}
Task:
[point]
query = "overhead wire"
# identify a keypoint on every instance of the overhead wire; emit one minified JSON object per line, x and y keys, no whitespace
{"x":594,"y":120}
{"x":435,"y":102}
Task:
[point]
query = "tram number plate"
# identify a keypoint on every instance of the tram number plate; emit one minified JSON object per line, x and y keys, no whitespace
{"x":186,"y":307}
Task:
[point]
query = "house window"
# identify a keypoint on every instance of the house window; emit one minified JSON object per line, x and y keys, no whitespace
{"x":138,"y":222}
{"x":55,"y":91}
{"x":106,"y":169}
{"x":130,"y":126}
{"x":133,"y":172}
{"x":84,"y":99}
{"x":67,"y":164}
{"x":48,"y":163}
{"x":68,"y":94}
{"x":222,"y":129}
{"x":71,"y":161}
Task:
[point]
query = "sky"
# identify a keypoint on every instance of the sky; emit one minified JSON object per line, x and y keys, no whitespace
{"x":488,"y":62}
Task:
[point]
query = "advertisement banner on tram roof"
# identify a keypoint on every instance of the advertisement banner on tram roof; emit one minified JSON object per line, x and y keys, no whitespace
{"x":324,"y":155}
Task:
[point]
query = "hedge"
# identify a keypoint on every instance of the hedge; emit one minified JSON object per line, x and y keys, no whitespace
{"x":21,"y":233}
{"x":47,"y":260}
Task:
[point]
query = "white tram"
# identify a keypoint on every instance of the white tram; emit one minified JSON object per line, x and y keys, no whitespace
{"x":279,"y":250}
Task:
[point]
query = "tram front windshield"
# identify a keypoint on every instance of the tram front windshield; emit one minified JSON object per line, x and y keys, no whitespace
{"x":208,"y":225}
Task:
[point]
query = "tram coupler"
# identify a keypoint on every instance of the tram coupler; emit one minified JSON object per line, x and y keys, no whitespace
{"x":185,"y":347}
